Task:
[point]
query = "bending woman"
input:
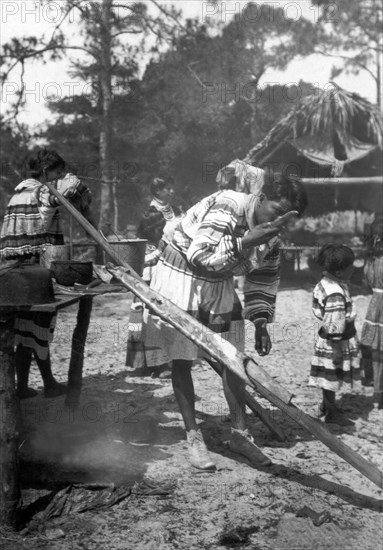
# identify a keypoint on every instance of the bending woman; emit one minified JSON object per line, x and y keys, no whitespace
{"x":218,"y":238}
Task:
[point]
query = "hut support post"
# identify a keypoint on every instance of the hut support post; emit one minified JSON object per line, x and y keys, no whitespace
{"x":9,"y":421}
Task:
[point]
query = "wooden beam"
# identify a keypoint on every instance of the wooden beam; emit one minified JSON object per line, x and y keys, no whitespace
{"x":342,"y":181}
{"x":92,"y":231}
{"x":225,"y":353}
{"x":256,"y":407}
{"x":246,"y":368}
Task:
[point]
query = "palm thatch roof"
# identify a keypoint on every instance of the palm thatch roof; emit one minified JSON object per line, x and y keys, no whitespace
{"x":330,"y":128}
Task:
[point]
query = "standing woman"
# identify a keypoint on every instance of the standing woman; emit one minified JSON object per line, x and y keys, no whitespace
{"x":372,"y":331}
{"x":31,"y":221}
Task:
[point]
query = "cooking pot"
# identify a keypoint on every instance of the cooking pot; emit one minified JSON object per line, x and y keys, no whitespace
{"x":69,"y":272}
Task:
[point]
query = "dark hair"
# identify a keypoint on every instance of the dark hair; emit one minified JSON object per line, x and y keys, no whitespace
{"x":228,"y":179}
{"x":335,"y":257}
{"x":373,"y":236}
{"x":151,"y":220}
{"x":158,"y":184}
{"x":44,"y":160}
{"x":287,"y":187}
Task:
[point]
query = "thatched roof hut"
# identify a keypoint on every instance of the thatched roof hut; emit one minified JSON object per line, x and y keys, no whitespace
{"x":330,"y":129}
{"x":330,"y":133}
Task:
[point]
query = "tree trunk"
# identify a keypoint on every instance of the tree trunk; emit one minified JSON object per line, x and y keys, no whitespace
{"x":105,"y":144}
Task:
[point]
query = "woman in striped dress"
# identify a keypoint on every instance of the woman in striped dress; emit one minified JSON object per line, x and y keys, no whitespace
{"x":31,"y":221}
{"x":372,"y":331}
{"x":211,"y":244}
{"x":336,"y":354}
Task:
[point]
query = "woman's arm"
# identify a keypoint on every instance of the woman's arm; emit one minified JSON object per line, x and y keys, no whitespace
{"x":215,"y":246}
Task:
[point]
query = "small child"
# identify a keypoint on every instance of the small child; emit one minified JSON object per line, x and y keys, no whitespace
{"x":372,"y":331}
{"x":163,"y":195}
{"x":151,"y":227}
{"x":335,"y":361}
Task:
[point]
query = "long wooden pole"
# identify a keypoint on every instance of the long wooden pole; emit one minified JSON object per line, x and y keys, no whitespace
{"x":246,"y":368}
{"x":343,"y":181}
{"x":92,"y":231}
{"x":225,"y":353}
{"x":253,"y":404}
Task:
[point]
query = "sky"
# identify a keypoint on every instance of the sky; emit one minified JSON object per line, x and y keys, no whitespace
{"x":48,"y":82}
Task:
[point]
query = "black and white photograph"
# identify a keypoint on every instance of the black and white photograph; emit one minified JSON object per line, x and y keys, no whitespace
{"x":191,"y":275}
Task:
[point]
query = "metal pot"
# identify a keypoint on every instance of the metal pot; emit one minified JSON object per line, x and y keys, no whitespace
{"x":69,"y":272}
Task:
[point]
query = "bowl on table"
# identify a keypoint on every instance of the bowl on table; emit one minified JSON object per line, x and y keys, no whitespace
{"x":69,"y":272}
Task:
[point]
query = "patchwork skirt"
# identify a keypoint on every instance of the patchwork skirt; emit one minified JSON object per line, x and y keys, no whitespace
{"x":326,"y":375}
{"x":209,"y":298}
{"x":35,"y":330}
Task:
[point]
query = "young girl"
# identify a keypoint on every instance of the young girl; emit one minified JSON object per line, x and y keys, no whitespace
{"x":151,"y":228}
{"x":372,"y":331}
{"x":335,"y":360}
{"x":163,"y":194}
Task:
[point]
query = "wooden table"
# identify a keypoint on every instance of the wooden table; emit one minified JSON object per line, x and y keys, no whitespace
{"x":10,"y":416}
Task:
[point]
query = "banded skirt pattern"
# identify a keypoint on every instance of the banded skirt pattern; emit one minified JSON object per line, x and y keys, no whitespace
{"x":328,"y":376}
{"x":211,"y":300}
{"x":35,"y":331}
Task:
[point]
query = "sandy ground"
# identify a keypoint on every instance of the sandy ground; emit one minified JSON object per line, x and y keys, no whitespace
{"x":129,"y":431}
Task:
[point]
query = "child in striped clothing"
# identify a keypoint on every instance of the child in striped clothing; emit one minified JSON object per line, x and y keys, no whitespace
{"x":151,"y":227}
{"x":335,"y":362}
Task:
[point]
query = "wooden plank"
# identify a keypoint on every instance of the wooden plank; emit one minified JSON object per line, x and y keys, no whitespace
{"x":211,"y":342}
{"x":59,"y":303}
{"x":343,"y":181}
{"x":246,"y":369}
{"x":314,"y":426}
{"x":110,"y":250}
{"x":256,"y":407}
{"x":225,"y":353}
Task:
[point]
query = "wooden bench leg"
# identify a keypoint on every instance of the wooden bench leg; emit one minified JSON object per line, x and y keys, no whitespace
{"x":9,"y":422}
{"x":77,"y":354}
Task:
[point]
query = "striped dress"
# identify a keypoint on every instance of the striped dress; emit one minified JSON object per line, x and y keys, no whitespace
{"x":31,"y":221}
{"x":196,"y":273}
{"x":372,"y":331}
{"x":333,"y":306}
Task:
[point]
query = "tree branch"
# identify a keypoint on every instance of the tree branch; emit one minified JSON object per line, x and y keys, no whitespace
{"x":348,"y":60}
{"x":171,"y":16}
